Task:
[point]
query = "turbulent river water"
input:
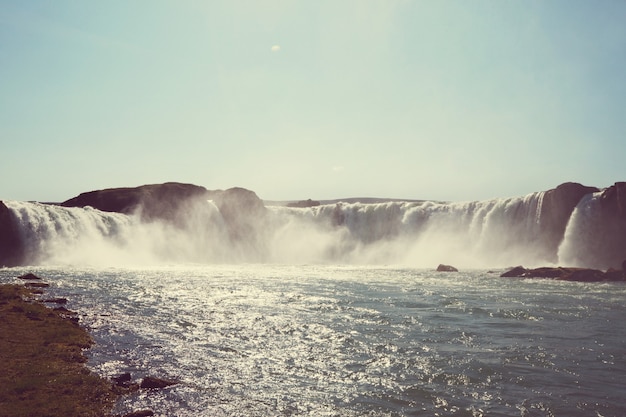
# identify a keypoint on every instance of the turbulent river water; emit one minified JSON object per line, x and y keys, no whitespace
{"x":328,"y":340}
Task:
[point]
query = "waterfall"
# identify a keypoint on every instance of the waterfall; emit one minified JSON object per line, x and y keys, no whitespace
{"x":479,"y":234}
{"x":473,"y":234}
{"x":57,"y":233}
{"x":52,"y":234}
{"x":594,"y":237}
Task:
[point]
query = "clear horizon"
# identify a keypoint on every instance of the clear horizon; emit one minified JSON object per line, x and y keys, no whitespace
{"x":313,"y":198}
{"x":449,"y":101}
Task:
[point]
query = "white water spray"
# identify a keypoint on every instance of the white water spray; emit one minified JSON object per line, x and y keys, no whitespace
{"x":493,"y":233}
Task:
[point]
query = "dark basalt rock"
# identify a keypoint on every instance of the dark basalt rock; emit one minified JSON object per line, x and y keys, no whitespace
{"x":304,"y":204}
{"x":153,"y":201}
{"x":547,"y":272}
{"x":615,"y":275}
{"x":29,"y":276}
{"x":585,"y":275}
{"x":599,"y":238}
{"x":37,"y":285}
{"x":610,"y":249}
{"x":237,"y":204}
{"x":150,"y":382}
{"x":614,"y":199}
{"x":122,"y":379}
{"x":11,"y":245}
{"x":140,"y":413}
{"x":56,"y":300}
{"x":123,"y":384}
{"x":446,"y":268}
{"x":245,"y":216}
{"x":566,"y":274}
{"x":67,"y":314}
{"x":518,"y":271}
{"x":556,"y":209}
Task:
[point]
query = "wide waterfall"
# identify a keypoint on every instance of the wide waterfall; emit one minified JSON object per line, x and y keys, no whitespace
{"x":86,"y":236}
{"x":472,"y":234}
{"x":492,"y":233}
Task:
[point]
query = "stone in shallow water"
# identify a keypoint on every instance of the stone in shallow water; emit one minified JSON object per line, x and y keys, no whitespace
{"x":141,"y":413}
{"x":37,"y":285}
{"x":56,"y":300}
{"x":446,"y":268}
{"x":29,"y":276}
{"x":122,"y":379}
{"x":156,"y":383}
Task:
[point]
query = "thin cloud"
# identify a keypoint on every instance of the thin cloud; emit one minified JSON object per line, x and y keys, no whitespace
{"x":275,"y":48}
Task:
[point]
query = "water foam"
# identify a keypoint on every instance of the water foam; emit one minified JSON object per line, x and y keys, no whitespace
{"x":499,"y":232}
{"x":86,"y":236}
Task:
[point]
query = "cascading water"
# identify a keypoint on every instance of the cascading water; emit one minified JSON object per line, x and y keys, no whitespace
{"x":492,"y":233}
{"x":86,"y":236}
{"x":603,"y":239}
{"x":52,"y":232}
{"x":473,"y":234}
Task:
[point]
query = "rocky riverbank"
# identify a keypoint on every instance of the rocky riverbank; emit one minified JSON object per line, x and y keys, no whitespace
{"x":42,"y":370}
{"x":42,"y":366}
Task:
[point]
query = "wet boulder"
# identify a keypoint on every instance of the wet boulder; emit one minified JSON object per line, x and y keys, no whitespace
{"x":140,"y":413}
{"x":56,"y":300}
{"x":37,"y":285}
{"x":516,"y":272}
{"x":446,"y":268}
{"x":151,"y":382}
{"x":29,"y":276}
{"x":584,"y":275}
{"x":565,"y":274}
{"x":122,"y":380}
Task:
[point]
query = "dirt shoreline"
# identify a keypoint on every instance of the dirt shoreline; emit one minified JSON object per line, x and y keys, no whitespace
{"x":42,"y":366}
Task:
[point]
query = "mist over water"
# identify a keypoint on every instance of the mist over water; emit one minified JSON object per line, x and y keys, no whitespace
{"x":493,"y":233}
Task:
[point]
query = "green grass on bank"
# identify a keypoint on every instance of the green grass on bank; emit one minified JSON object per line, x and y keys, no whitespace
{"x":42,"y":370}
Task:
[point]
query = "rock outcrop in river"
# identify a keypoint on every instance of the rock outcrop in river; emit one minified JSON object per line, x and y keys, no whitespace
{"x":566,"y":274}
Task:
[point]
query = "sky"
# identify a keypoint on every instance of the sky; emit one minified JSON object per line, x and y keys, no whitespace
{"x":441,"y":100}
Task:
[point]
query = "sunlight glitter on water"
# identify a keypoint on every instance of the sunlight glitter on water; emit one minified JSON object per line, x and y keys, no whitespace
{"x":261,"y":340}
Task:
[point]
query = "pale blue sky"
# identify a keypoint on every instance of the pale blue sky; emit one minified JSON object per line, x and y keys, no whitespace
{"x":447,"y":100}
